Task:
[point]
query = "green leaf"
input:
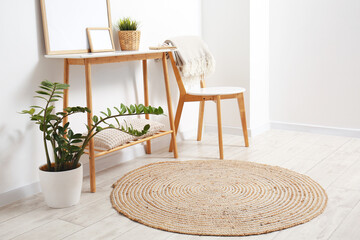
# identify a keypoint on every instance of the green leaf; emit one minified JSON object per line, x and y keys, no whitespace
{"x":41,"y":127}
{"x":98,"y":128}
{"x":117,"y":110}
{"x":46,"y":88}
{"x":117,"y":122}
{"x":43,"y":93}
{"x":146,"y":127}
{"x":61,"y":130}
{"x":31,"y":111}
{"x":37,"y":118}
{"x":61,"y":86}
{"x":49,"y":109}
{"x":52,"y":117}
{"x":40,"y":97}
{"x":78,"y":135}
{"x":95,"y":119}
{"x":75,"y":148}
{"x":109,"y":112}
{"x":24,"y":112}
{"x":146,"y":110}
{"x":53,"y":100}
{"x":36,"y":107}
{"x":47,"y":83}
{"x":140,"y":108}
{"x":132,"y":108}
{"x":70,"y":133}
{"x":123,"y":108}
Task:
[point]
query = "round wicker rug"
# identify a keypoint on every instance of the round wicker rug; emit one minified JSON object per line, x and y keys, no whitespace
{"x":217,"y":197}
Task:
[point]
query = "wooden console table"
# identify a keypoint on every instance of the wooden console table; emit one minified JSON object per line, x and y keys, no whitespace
{"x":87,"y":59}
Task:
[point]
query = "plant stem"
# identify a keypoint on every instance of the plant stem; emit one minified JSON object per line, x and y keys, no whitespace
{"x":45,"y":132}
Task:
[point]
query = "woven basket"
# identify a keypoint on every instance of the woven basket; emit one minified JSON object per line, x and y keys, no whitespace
{"x":129,"y":40}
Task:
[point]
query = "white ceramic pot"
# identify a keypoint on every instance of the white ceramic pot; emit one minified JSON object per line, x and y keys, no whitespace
{"x":61,"y":189}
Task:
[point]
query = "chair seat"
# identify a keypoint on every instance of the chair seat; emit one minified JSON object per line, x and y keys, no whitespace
{"x":213,"y":91}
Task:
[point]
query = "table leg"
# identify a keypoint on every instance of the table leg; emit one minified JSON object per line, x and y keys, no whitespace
{"x":66,"y":91}
{"x":89,"y":121}
{"x":146,"y":98}
{"x":168,"y":97}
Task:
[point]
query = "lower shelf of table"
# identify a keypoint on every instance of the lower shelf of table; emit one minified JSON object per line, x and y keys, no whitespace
{"x":100,"y":152}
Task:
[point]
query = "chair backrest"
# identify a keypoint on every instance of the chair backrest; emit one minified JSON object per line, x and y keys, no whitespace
{"x":178,"y":77}
{"x":191,"y":62}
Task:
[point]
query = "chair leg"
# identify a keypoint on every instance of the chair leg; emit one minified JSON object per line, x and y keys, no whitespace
{"x":201,"y":120}
{"x":177,"y":119}
{"x":218,"y":108}
{"x":243,"y":118}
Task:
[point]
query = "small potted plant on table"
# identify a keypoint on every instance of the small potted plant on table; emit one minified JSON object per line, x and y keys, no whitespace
{"x":129,"y":37}
{"x":61,"y":180}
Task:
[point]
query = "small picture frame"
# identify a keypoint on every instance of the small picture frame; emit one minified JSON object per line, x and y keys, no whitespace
{"x":100,"y":39}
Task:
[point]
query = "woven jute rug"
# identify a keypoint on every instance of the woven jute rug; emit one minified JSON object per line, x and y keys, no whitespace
{"x":217,"y":197}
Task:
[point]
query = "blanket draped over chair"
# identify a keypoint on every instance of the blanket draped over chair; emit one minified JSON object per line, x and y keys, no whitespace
{"x":193,"y":59}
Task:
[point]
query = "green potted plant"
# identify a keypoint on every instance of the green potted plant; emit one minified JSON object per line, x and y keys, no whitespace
{"x":61,"y":179}
{"x":129,"y":36}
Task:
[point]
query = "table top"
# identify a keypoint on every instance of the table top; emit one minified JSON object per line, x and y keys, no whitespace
{"x":107,"y":54}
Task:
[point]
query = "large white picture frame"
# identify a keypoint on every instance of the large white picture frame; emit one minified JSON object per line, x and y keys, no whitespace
{"x":65,"y":23}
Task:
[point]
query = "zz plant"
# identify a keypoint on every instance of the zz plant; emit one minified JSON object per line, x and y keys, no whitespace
{"x":68,"y":146}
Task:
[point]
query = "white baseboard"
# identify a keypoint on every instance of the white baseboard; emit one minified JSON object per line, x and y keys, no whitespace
{"x":238,"y":130}
{"x":259,"y":129}
{"x":19,"y":193}
{"x":101,"y":163}
{"x":345,"y":132}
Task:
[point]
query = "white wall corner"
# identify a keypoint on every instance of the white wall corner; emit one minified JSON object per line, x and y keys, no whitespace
{"x":19,"y":193}
{"x":259,"y":64}
{"x":238,"y":130}
{"x":344,"y":132}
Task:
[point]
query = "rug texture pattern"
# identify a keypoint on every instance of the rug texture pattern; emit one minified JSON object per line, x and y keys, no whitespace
{"x":217,"y":197}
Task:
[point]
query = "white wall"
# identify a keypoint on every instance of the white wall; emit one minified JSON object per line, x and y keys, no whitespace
{"x":226,"y":29}
{"x":259,"y":65}
{"x":238,"y":36}
{"x":23,"y":67}
{"x":315,"y":62}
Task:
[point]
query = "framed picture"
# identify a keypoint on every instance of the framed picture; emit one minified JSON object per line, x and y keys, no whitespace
{"x":100,"y":39}
{"x":65,"y":23}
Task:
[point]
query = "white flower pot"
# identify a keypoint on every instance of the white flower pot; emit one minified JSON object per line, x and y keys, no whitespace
{"x":61,"y":189}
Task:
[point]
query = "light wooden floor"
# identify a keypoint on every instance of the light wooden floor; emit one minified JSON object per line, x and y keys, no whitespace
{"x":332,"y":161}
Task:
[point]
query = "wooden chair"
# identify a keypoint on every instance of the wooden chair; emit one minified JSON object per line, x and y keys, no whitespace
{"x":203,"y":94}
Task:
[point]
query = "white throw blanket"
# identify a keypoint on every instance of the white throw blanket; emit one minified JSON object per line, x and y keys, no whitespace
{"x":193,"y":59}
